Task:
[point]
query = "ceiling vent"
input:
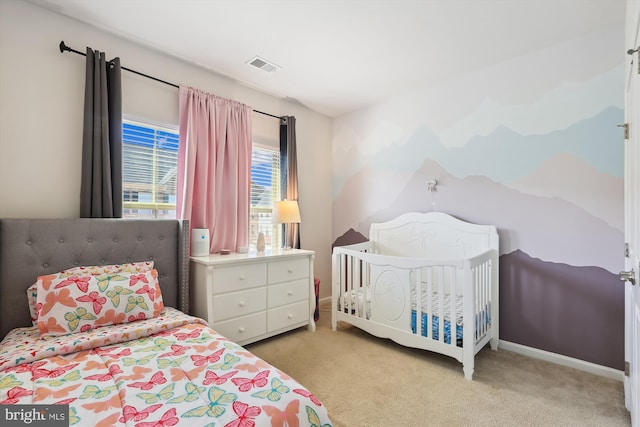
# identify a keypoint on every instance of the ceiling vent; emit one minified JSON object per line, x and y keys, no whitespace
{"x":264,"y":65}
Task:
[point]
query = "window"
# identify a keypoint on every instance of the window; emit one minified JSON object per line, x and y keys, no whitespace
{"x":265,"y":189}
{"x":149,"y":166}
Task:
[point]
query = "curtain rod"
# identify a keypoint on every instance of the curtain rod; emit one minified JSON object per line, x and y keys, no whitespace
{"x":64,"y":47}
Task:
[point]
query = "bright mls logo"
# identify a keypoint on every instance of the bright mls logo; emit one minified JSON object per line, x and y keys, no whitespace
{"x":34,"y":415}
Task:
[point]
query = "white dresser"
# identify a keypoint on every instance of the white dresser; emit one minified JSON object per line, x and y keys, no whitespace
{"x":249,"y":297}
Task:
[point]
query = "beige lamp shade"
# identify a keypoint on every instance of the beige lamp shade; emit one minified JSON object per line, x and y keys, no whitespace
{"x":285,"y":212}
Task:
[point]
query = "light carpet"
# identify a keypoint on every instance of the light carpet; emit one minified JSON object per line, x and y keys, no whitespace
{"x":367,"y":381}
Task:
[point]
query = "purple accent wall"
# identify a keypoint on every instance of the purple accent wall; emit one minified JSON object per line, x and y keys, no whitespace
{"x":573,"y":311}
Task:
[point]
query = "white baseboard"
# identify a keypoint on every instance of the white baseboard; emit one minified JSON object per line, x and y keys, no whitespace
{"x":325,"y":300}
{"x":559,"y":359}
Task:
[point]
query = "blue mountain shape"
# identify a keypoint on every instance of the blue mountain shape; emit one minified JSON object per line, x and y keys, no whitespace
{"x":505,"y":155}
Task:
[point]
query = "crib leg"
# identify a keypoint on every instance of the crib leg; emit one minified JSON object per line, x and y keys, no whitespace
{"x":468,"y":371}
{"x":494,"y":343}
{"x":468,"y":363}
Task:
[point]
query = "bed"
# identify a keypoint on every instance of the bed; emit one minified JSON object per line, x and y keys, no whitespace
{"x":423,"y":280}
{"x":104,"y":331}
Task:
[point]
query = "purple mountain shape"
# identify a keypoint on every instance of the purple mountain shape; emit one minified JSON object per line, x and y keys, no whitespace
{"x":547,"y":228}
{"x":574,"y":311}
{"x":350,"y":237}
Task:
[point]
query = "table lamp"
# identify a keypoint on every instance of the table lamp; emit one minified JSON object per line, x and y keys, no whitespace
{"x":285,"y":212}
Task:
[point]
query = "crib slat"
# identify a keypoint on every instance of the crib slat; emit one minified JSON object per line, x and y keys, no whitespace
{"x":441,"y":304}
{"x":418,"y":303}
{"x":487,"y":296}
{"x":453,"y":313}
{"x":453,"y":324}
{"x":476,"y":303}
{"x":343,"y":282}
{"x":485,"y":304}
{"x":349,"y":266}
{"x":487,"y":292}
{"x":429,"y":301}
{"x":358,"y":287}
{"x":483,"y":300}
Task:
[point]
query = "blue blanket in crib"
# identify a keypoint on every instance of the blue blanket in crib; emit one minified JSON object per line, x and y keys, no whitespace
{"x":435,"y":327}
{"x":435,"y":330}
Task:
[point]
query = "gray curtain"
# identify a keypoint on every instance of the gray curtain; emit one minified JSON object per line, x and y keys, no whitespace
{"x":101,"y":185}
{"x":289,"y":172}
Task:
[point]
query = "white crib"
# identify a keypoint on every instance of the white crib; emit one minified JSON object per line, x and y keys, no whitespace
{"x":451,"y":264}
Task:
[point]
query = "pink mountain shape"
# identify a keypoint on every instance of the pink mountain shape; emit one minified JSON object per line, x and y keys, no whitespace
{"x":572,"y":179}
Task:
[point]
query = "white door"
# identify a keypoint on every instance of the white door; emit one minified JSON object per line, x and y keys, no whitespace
{"x":632,"y":214}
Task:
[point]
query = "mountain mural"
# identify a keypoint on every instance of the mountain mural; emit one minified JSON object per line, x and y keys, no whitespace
{"x":574,"y":311}
{"x":533,"y":150}
{"x":548,"y":228}
{"x":350,"y":237}
{"x":572,"y":179}
{"x":600,"y":194}
{"x":503,"y":155}
{"x":368,"y":191}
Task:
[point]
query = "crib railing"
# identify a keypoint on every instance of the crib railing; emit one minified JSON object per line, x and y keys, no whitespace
{"x":427,"y":298}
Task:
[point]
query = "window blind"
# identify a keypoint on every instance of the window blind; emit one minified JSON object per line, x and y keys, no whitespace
{"x":149,"y":167}
{"x":265,"y":189}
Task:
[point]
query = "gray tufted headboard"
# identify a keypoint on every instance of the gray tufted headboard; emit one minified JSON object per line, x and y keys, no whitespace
{"x":33,"y":247}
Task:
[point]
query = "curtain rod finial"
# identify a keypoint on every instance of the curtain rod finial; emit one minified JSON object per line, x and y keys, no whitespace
{"x":63,"y":47}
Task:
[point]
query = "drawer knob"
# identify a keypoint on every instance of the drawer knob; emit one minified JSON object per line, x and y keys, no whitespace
{"x":241,"y":329}
{"x":241,"y":277}
{"x":290,"y":316}
{"x":241,"y":304}
{"x":290,"y":293}
{"x":290,"y":270}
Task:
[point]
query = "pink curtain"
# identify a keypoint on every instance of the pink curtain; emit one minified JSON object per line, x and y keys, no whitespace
{"x":214,"y":167}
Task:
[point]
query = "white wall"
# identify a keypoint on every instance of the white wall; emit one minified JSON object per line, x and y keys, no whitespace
{"x":41,"y":103}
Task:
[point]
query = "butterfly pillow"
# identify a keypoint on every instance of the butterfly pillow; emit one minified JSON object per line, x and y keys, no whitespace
{"x":133,"y":267}
{"x":78,"y":303}
{"x":139,"y":267}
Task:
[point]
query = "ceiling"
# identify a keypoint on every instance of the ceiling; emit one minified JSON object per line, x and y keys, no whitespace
{"x":337,"y":56}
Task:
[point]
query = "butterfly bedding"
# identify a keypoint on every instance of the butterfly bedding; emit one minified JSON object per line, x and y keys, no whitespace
{"x":103,"y":330}
{"x":168,"y":370}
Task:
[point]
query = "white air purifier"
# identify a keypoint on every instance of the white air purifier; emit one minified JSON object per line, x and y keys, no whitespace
{"x":200,"y":242}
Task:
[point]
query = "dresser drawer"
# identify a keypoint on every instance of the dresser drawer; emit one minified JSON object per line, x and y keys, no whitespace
{"x":288,"y":269}
{"x":237,"y":277}
{"x":287,"y":293}
{"x":241,"y":303}
{"x":288,"y":315}
{"x":243,"y":328}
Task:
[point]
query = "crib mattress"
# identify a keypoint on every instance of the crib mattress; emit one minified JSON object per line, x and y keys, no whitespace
{"x":360,"y":300}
